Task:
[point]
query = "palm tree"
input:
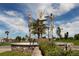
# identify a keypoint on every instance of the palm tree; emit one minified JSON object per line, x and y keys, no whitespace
{"x":7,"y":33}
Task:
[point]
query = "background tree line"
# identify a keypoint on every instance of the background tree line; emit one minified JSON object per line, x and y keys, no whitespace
{"x":66,"y":35}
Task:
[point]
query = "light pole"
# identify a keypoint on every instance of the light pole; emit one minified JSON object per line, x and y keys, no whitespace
{"x":51,"y":24}
{"x":48,"y":32}
{"x":29,"y":25}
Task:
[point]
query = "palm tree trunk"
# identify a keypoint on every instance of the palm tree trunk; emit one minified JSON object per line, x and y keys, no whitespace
{"x":7,"y":37}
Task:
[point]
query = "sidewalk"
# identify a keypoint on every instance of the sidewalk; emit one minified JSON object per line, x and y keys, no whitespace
{"x":5,"y":48}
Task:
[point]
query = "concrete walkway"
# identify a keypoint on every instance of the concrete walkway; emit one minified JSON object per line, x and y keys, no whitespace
{"x":75,"y":47}
{"x":36,"y":52}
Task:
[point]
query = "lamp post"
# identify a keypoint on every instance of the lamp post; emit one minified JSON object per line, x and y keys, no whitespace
{"x":51,"y":24}
{"x":48,"y":32}
{"x":29,"y":25}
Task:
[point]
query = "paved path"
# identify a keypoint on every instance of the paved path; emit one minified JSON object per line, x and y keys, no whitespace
{"x":5,"y":48}
{"x":36,"y":52}
{"x":75,"y":48}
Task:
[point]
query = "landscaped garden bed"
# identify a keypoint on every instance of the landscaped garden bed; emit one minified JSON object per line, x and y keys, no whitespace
{"x":50,"y":49}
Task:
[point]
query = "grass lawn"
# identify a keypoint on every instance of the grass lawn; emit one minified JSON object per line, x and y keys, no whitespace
{"x":10,"y":53}
{"x":76,"y":42}
{"x":5,"y":44}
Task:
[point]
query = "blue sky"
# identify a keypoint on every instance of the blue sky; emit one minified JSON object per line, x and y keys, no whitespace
{"x":14,"y":17}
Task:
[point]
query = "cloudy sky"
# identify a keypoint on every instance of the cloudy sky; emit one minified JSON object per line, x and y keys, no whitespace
{"x":14,"y":17}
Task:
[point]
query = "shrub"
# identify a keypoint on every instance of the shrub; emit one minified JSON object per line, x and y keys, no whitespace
{"x":76,"y":36}
{"x":53,"y":51}
{"x":49,"y":49}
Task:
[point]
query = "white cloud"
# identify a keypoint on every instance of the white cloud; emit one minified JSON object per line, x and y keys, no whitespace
{"x":15,"y":23}
{"x":1,"y":31}
{"x":71,"y":27}
{"x":48,"y":8}
{"x":11,"y":13}
{"x":61,"y":9}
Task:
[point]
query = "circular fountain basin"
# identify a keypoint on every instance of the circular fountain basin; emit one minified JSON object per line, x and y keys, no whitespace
{"x":24,"y":47}
{"x":27,"y":44}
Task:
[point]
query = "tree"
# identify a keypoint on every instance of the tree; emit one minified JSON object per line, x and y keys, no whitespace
{"x":38,"y":28}
{"x":7,"y":33}
{"x":23,"y":39}
{"x":59,"y":32}
{"x":76,"y":36}
{"x":26,"y":37}
{"x":66,"y":35}
{"x":18,"y":38}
